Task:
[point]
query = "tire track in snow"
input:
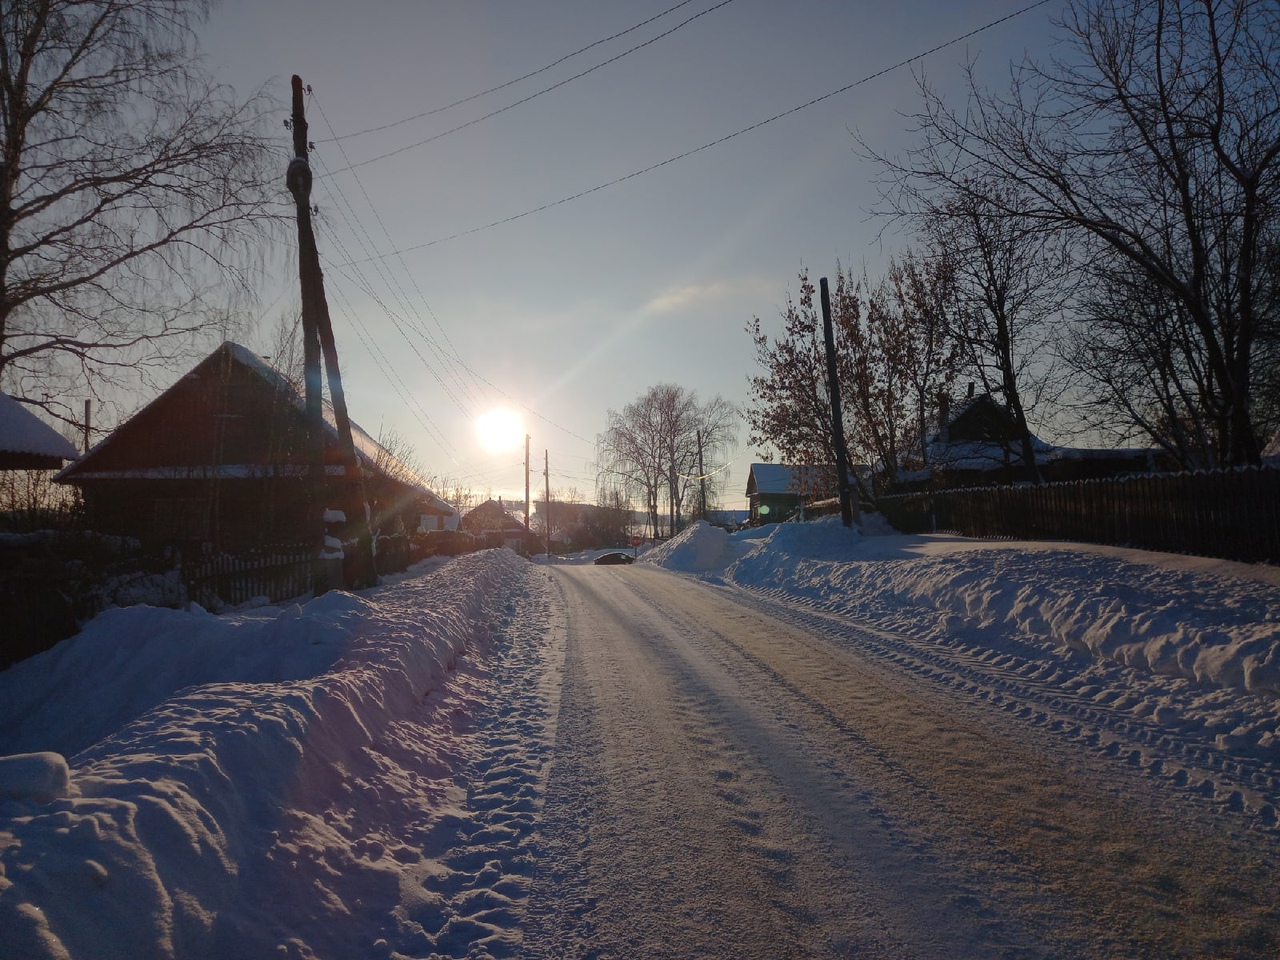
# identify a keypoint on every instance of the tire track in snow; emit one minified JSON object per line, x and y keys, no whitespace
{"x":1182,"y":756}
{"x":688,"y":816}
{"x":1136,"y":864}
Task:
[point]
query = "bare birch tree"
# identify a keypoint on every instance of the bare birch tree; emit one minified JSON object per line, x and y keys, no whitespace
{"x":654,"y":446}
{"x":129,"y":184}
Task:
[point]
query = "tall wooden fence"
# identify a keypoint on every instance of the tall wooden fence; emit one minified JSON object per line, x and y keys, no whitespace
{"x":1232,"y":514}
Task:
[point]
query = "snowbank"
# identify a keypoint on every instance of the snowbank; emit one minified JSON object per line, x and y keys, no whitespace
{"x":153,"y":834}
{"x":697,"y":548}
{"x":1211,"y":622}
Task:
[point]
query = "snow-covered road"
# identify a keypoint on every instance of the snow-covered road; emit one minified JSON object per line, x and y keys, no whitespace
{"x":738,"y":777}
{"x":799,"y":741}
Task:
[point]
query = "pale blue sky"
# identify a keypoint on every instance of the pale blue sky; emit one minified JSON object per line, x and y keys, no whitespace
{"x":581,"y":307}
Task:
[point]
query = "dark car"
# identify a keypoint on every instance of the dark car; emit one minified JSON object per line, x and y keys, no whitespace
{"x":615,"y":557}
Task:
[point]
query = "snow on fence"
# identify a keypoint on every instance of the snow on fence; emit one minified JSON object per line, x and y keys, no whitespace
{"x":277,"y":573}
{"x":1232,"y":514}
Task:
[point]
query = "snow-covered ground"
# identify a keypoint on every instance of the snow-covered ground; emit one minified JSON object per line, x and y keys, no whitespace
{"x":360,"y":775}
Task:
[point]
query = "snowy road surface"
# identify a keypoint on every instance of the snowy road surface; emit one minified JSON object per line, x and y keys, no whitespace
{"x":798,"y":741}
{"x":733,"y":777}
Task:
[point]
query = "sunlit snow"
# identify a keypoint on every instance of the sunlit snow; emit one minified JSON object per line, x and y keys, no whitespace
{"x":306,"y":778}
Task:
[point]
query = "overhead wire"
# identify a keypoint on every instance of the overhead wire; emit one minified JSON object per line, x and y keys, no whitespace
{"x":393,"y":316}
{"x":509,"y":83}
{"x":532,"y":96}
{"x":368,"y":288}
{"x":439,"y":352}
{"x":715,"y":143}
{"x":406,"y":395}
{"x":648,"y":169}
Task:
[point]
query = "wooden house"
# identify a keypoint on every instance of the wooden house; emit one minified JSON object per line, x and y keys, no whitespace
{"x":977,"y":443}
{"x":219,"y":463}
{"x":776,"y":490}
{"x":493,"y":526}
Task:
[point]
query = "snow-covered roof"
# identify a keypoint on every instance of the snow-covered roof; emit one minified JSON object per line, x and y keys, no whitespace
{"x":785,"y":478}
{"x":982,"y":454}
{"x":25,"y":440}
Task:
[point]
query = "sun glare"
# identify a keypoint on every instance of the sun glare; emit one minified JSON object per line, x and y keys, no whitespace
{"x":500,"y":430}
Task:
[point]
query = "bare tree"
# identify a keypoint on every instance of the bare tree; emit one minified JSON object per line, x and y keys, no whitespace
{"x":1155,"y":141}
{"x":128,"y":186}
{"x":790,"y":401}
{"x":1137,"y":357}
{"x":923,"y":288}
{"x":652,"y":449}
{"x":1007,"y":276}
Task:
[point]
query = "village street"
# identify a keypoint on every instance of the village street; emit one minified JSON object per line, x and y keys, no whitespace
{"x":734,"y":778}
{"x":798,"y":741}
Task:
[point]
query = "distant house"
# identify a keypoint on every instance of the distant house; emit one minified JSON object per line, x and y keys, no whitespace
{"x":219,"y":461}
{"x":979,"y":440}
{"x":494,"y":526}
{"x":775,"y":490}
{"x":977,"y":443}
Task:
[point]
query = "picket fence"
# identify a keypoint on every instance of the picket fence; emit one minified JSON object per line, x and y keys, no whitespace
{"x":277,"y":573}
{"x":1231,"y":514}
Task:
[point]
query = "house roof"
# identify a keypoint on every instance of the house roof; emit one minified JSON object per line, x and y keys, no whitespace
{"x":27,"y":442}
{"x":493,"y":515}
{"x":785,"y":478}
{"x":368,"y":451}
{"x":980,"y":435}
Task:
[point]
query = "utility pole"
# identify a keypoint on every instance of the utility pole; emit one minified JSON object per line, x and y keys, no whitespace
{"x":702,"y":477}
{"x":848,"y":498}
{"x":526,"y":480}
{"x":546,"y":473}
{"x":317,"y":337}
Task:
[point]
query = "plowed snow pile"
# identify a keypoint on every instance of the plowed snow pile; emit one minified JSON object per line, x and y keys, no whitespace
{"x":1209,"y":621}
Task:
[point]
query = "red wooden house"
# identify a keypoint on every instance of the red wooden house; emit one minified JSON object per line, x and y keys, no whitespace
{"x":218,"y":463}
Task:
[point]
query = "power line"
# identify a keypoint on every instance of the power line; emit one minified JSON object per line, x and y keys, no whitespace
{"x":503,"y":86}
{"x":715,"y":143}
{"x":439,"y":352}
{"x":363,"y":282}
{"x":532,"y":96}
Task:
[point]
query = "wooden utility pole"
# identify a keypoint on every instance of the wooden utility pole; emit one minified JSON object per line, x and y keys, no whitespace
{"x":526,"y":480}
{"x":317,"y":338}
{"x":848,"y":498}
{"x":546,"y":473}
{"x":702,"y":477}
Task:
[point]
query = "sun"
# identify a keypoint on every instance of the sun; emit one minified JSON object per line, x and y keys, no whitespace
{"x":500,"y":430}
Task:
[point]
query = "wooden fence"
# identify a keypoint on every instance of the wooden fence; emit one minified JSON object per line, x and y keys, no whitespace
{"x":277,"y":573}
{"x":1232,"y":514}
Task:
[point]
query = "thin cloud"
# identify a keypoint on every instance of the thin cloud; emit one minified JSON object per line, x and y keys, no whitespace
{"x":703,"y":295}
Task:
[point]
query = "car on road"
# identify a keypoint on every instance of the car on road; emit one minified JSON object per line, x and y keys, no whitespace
{"x":616,"y":556}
